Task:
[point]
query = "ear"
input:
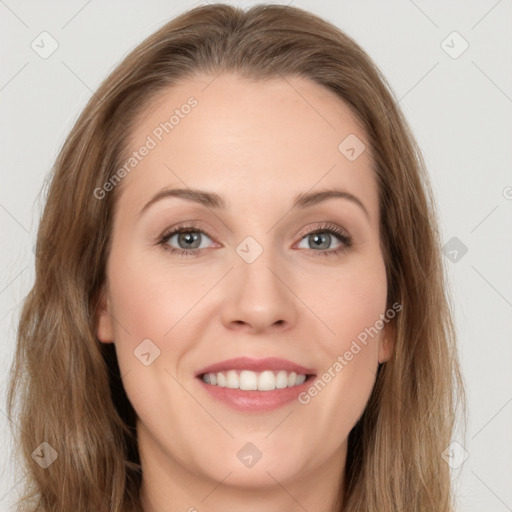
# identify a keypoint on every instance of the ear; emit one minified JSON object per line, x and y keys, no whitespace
{"x":387,"y":342}
{"x":104,"y":324}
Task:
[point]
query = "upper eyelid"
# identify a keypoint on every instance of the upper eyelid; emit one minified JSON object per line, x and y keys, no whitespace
{"x":168,"y":234}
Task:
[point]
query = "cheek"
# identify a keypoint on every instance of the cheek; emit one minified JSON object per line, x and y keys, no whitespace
{"x":148,"y":298}
{"x":151,"y":301}
{"x":348,"y":307}
{"x":141,"y":305}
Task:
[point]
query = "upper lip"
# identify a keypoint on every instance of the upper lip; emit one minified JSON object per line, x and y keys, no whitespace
{"x":255,"y":365}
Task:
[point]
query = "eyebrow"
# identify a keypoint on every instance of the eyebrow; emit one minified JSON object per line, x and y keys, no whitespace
{"x":213,"y":200}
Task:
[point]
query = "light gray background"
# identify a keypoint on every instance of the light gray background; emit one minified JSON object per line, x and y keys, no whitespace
{"x":459,"y":109}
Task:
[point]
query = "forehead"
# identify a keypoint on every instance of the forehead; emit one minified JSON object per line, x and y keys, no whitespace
{"x":249,"y":141}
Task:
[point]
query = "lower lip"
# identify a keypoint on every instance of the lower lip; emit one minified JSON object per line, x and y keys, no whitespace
{"x":256,"y":401}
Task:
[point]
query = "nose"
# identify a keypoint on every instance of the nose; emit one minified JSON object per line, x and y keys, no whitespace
{"x":259,"y":297}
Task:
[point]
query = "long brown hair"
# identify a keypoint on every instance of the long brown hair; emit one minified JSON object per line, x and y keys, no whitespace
{"x":65,"y":389}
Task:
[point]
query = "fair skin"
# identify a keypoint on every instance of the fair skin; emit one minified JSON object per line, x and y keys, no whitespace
{"x":257,"y":145}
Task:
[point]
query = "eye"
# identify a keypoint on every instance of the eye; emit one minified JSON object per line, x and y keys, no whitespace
{"x":188,"y":239}
{"x":321,"y":239}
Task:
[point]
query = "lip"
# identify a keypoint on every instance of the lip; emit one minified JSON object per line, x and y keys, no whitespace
{"x":255,"y":365}
{"x":253,"y":400}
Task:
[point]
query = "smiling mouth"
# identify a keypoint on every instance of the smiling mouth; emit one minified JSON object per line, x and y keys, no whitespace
{"x":247,"y":380}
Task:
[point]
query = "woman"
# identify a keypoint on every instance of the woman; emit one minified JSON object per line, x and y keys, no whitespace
{"x":239,"y":298}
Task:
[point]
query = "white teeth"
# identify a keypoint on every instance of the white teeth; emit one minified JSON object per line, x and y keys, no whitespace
{"x":232,"y":380}
{"x":250,"y":381}
{"x":266,"y":381}
{"x":221,"y":379}
{"x":281,"y":380}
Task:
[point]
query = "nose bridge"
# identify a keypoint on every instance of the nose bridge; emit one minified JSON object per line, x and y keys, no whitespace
{"x":256,"y":267}
{"x":257,"y":293}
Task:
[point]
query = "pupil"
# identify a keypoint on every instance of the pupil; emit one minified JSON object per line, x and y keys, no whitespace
{"x":189,"y":238}
{"x":321,"y":241}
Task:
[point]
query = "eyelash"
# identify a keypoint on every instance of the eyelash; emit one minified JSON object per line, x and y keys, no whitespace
{"x":332,"y":229}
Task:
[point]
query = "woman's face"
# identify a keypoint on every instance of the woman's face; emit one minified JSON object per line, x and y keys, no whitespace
{"x":267,"y":269}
